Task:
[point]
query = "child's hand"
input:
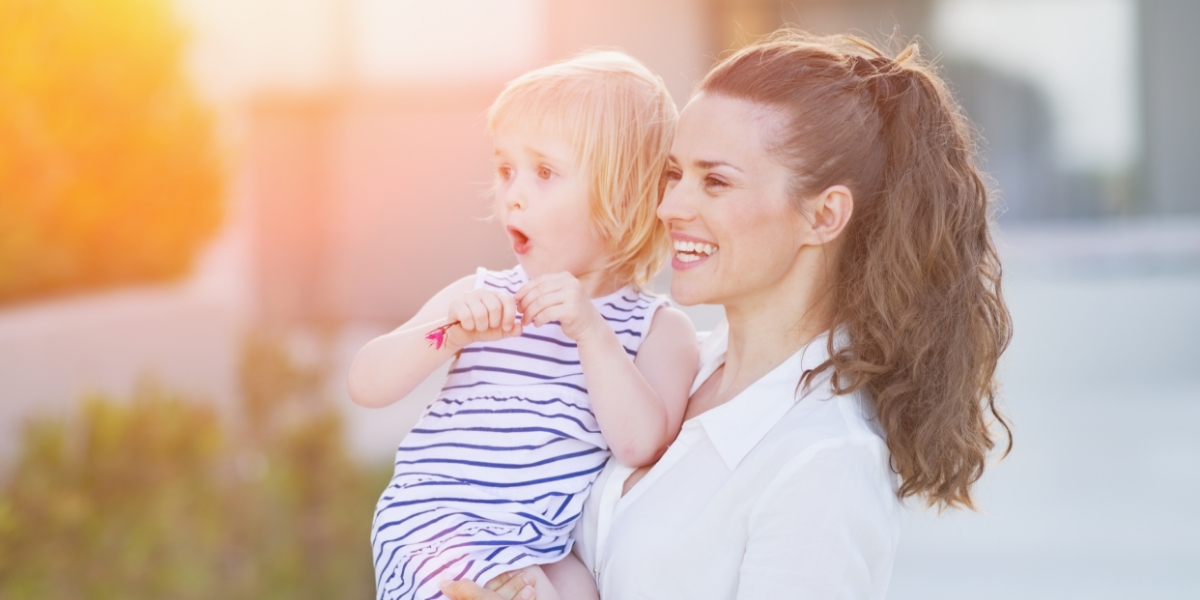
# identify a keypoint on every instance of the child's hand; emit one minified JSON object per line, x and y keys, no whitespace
{"x":483,"y":316}
{"x":558,"y":297}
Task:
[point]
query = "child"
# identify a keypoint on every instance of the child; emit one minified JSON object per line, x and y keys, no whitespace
{"x":557,"y":362}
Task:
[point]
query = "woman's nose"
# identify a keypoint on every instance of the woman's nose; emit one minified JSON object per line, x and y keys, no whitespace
{"x":675,"y":205}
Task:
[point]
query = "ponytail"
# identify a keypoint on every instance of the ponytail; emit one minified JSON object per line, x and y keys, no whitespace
{"x":917,"y":277}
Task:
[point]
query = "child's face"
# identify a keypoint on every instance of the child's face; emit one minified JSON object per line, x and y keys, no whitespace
{"x":542,"y":201}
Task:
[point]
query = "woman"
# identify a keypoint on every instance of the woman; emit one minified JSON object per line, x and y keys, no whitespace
{"x":835,"y":212}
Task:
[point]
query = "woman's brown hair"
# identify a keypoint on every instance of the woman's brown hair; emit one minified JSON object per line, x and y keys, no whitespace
{"x":916,"y":279}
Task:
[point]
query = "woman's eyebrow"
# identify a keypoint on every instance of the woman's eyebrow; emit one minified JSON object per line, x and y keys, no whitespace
{"x":708,"y":164}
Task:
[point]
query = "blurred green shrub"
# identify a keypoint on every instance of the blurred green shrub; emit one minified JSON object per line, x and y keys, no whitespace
{"x":108,"y":168}
{"x":160,"y":497}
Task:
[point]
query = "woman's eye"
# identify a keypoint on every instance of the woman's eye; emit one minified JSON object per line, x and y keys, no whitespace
{"x":714,"y":183}
{"x":673,"y":175}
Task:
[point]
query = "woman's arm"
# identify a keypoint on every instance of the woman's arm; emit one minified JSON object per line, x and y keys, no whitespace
{"x":827,"y":527}
{"x":392,"y":365}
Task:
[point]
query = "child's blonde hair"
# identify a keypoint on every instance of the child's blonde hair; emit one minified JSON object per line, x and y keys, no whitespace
{"x":620,"y":120}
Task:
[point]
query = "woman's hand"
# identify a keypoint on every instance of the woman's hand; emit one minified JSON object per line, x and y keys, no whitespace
{"x":558,"y":297}
{"x":483,"y":316}
{"x":515,"y":585}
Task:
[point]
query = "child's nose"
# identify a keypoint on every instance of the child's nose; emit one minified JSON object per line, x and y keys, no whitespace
{"x":513,"y":196}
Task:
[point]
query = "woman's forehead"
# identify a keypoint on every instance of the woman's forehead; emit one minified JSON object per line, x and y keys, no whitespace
{"x":720,"y":128}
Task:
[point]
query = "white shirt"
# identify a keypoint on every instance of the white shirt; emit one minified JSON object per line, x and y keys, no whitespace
{"x":778,"y":493}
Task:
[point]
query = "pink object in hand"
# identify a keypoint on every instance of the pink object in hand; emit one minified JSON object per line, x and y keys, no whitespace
{"x":437,"y":337}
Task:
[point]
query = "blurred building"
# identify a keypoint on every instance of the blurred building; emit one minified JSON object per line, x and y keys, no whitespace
{"x":355,"y":179}
{"x":1171,"y":88}
{"x":362,"y":164}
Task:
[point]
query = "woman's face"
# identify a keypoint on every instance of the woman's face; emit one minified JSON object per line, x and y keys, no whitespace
{"x":736,"y":234}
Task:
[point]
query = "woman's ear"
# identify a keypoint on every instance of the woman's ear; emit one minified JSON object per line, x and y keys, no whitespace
{"x":831,"y":211}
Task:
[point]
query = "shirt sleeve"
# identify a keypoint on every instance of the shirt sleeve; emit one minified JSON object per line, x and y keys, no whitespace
{"x":827,"y":527}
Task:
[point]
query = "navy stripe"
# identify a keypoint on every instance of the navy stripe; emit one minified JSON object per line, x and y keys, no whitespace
{"x":625,"y":310}
{"x":505,"y":288}
{"x":468,"y":500}
{"x":403,"y":448}
{"x":390,"y":524}
{"x":548,"y":523}
{"x":512,"y":411}
{"x":491,"y":465}
{"x":631,"y":318}
{"x":479,"y":383}
{"x":563,"y":506}
{"x":511,"y":372}
{"x":522,"y":354}
{"x":496,"y":430}
{"x":508,"y":484}
{"x":542,"y":338}
{"x":519,"y":399}
{"x":630,"y":332}
{"x":514,"y":279}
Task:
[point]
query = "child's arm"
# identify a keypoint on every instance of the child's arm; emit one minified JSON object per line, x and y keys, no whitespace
{"x":392,"y":365}
{"x":639,"y":404}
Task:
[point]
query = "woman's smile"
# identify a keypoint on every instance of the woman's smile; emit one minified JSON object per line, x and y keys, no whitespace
{"x":690,"y":252}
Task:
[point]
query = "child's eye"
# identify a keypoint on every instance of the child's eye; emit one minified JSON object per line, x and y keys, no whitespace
{"x":504,"y":172}
{"x":544,"y":172}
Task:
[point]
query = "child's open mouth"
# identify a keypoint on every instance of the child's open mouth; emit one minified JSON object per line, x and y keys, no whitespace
{"x":520,"y":241}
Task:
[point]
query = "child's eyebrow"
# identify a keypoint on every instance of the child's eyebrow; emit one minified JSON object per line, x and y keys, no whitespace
{"x":543,"y":156}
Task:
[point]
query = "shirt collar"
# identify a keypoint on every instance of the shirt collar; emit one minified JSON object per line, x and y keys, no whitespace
{"x":738,"y":425}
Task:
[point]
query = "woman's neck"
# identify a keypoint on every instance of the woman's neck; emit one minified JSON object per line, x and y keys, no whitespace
{"x":765,"y":331}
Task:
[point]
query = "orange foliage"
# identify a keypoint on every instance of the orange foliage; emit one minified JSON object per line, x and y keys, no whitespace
{"x":108,"y":166}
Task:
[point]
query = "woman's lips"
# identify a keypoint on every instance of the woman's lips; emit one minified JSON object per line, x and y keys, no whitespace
{"x":689,"y":252}
{"x":520,"y":241}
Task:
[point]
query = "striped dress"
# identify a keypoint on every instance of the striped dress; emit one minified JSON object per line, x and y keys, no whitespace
{"x":494,"y":475}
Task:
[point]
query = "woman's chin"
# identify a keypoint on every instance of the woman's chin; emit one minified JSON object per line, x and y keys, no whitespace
{"x":687,"y":293}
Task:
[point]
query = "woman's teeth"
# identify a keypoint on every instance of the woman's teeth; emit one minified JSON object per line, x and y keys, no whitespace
{"x":692,"y":251}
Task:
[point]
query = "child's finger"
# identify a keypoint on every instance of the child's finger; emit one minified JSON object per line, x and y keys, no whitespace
{"x":495,"y":310}
{"x":524,"y":291}
{"x":535,"y":287}
{"x":508,"y":315}
{"x":530,"y":309}
{"x":461,"y":313}
{"x":548,"y":314}
{"x":479,"y":314}
{"x":539,"y":301}
{"x":536,"y":312}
